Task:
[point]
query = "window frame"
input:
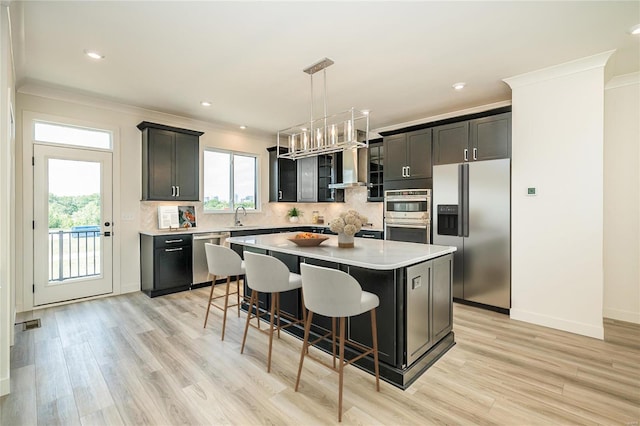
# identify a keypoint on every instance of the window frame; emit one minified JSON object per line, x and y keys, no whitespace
{"x":72,"y":125}
{"x":256,"y":182}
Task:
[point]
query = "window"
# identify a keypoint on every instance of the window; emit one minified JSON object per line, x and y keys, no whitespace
{"x":69,"y":135}
{"x":227,"y":173}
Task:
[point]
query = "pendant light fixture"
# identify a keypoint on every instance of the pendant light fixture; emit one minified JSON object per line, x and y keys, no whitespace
{"x":327,"y":134}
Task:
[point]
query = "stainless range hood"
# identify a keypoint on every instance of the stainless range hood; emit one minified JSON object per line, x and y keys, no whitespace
{"x":349,"y":171}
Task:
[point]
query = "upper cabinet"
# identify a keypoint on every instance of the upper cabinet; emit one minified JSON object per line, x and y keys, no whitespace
{"x":329,"y":172}
{"x":282,"y":178}
{"x":479,"y":139}
{"x":375,"y":171}
{"x":170,"y":163}
{"x":407,"y":160}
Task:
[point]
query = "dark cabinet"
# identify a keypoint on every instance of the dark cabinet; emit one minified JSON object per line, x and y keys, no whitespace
{"x":407,"y":160}
{"x":165,"y":263}
{"x":486,"y":138}
{"x":490,"y":137}
{"x":283,"y":178}
{"x":329,"y":172}
{"x":450,"y":143}
{"x":375,"y":171}
{"x":170,"y":163}
{"x":382,"y":284}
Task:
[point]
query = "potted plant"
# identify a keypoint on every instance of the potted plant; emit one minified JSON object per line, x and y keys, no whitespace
{"x":294,"y":215}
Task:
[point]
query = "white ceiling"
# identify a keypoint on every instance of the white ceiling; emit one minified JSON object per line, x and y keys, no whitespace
{"x":397,"y":59}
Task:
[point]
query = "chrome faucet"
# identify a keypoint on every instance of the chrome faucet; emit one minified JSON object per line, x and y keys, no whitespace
{"x":236,"y":221}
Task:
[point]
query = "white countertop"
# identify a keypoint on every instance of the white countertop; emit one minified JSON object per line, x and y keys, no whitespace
{"x":367,"y":253}
{"x":197,"y":230}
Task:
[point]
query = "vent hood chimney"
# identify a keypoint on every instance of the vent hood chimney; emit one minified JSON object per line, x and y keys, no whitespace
{"x":349,"y":171}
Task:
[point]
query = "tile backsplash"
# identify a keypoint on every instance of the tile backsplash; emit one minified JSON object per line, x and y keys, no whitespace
{"x":272,"y":213}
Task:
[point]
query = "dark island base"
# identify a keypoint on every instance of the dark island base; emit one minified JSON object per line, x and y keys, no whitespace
{"x":401,"y":378}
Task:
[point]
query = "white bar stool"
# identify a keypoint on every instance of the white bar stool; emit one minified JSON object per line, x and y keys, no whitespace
{"x":266,"y":274}
{"x":223,"y":262}
{"x":336,"y":294}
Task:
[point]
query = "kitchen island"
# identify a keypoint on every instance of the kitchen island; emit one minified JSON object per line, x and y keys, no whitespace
{"x":412,"y":281}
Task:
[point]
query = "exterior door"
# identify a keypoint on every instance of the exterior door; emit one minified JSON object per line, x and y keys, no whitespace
{"x":73,"y":223}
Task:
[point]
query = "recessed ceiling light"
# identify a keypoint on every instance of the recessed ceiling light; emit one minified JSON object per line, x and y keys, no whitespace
{"x":635,"y":30}
{"x":243,"y":127}
{"x":93,"y":54}
{"x":459,"y":86}
{"x":205,"y":103}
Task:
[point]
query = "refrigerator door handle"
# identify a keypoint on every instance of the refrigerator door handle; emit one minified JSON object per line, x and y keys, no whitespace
{"x":460,"y":199}
{"x":465,"y":200}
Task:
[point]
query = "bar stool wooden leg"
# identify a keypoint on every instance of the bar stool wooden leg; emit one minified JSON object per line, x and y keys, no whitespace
{"x":238,"y":293}
{"x":341,"y":371}
{"x":213,"y":283}
{"x":333,"y":340}
{"x":374,"y":336}
{"x":246,"y":326}
{"x":274,"y":302}
{"x":278,"y":312}
{"x":226,"y":304}
{"x":305,"y":346}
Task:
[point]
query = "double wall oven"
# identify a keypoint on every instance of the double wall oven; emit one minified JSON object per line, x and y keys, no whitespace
{"x":407,"y":215}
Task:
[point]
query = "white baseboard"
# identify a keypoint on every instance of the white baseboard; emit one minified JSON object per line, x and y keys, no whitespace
{"x":620,"y":315}
{"x":5,"y":386}
{"x":129,"y":288}
{"x":588,"y":330}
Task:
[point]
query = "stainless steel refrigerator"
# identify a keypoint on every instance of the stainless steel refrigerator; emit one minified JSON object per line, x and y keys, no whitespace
{"x":472,"y":211}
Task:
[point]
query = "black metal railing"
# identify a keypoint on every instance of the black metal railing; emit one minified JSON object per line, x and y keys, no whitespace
{"x":74,"y":254}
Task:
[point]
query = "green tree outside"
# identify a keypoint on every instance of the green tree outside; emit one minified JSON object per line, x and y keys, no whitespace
{"x":66,"y":211}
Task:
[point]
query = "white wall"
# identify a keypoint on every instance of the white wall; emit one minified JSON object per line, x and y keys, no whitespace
{"x":622,"y":199}
{"x":6,"y":202}
{"x":557,"y":236}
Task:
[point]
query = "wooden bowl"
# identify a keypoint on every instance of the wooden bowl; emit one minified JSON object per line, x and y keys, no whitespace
{"x":308,"y":242}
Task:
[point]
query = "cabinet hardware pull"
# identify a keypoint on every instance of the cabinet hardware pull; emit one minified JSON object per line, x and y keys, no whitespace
{"x":177,"y":191}
{"x":279,"y":195}
{"x":173,"y":249}
{"x":408,"y":171}
{"x":404,"y":171}
{"x":173,"y":241}
{"x":173,"y":190}
{"x":475,"y":153}
{"x":466,"y":154}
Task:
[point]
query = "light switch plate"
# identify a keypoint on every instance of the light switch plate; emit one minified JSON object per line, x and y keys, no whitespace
{"x":532,"y":191}
{"x":127,"y":216}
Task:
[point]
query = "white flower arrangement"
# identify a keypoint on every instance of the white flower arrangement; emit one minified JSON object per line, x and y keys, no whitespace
{"x":348,"y":223}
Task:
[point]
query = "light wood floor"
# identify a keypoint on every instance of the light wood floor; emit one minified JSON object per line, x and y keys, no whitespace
{"x":134,"y":360}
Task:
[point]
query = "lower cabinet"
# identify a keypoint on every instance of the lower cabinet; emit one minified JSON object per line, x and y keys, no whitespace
{"x":383,"y":284}
{"x":165,"y":263}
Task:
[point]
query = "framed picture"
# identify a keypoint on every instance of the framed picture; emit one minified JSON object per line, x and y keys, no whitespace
{"x":187,"y":216}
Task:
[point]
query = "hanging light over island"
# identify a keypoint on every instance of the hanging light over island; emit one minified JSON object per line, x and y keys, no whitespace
{"x":330,"y":133}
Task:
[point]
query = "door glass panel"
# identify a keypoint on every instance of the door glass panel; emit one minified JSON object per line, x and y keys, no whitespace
{"x":74,"y":208}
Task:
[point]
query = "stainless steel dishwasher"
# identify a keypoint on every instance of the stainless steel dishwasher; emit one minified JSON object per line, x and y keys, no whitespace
{"x":200,"y":268}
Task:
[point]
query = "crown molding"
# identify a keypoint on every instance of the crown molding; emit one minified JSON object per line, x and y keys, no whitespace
{"x":623,"y":80}
{"x":560,"y":70}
